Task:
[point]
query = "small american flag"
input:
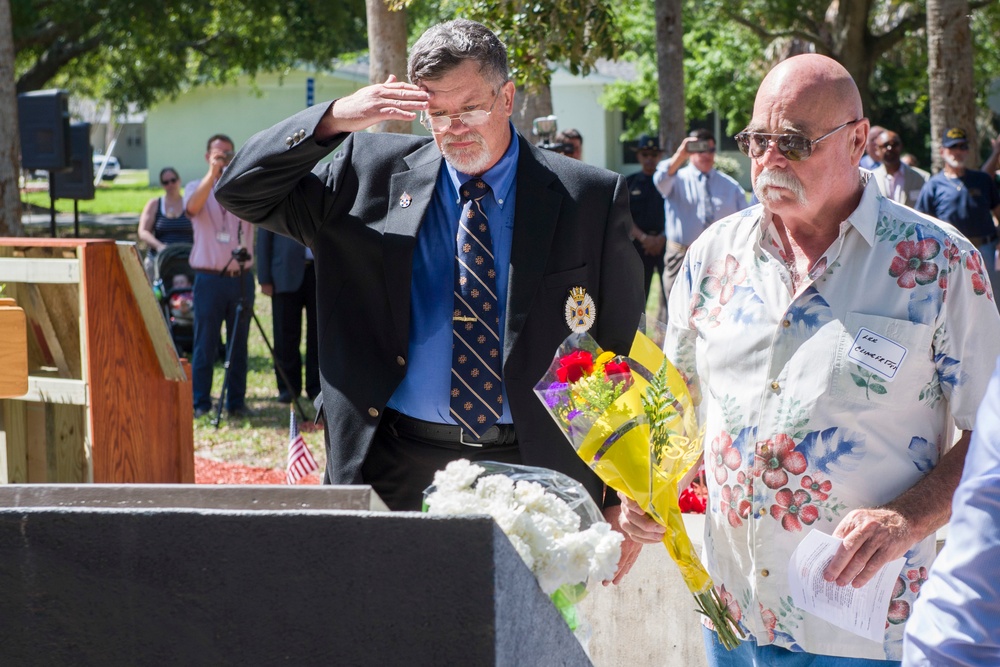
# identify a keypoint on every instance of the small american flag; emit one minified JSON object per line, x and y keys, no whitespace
{"x":300,"y":459}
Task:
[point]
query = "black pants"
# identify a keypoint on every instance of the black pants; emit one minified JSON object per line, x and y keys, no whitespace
{"x":287,"y":310}
{"x":399,"y":469}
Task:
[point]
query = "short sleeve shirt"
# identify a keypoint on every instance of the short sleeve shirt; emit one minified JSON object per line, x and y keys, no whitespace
{"x":965,"y":202}
{"x":840,"y":395}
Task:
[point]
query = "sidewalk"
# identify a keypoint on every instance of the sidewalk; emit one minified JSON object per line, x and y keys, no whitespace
{"x":43,"y":217}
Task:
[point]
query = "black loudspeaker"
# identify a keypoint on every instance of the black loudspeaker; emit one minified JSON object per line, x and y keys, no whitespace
{"x":78,"y":182}
{"x":44,"y":119}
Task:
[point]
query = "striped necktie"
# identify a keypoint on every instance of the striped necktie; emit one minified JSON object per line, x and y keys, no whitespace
{"x":476,"y":400}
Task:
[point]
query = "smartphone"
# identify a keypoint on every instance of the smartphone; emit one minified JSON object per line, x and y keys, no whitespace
{"x":699,"y":147}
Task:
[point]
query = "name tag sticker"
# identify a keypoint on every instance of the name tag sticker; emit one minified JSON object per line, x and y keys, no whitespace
{"x":877,"y":353}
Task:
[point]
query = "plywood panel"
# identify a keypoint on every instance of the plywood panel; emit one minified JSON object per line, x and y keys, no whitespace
{"x":71,"y":446}
{"x":36,"y":436}
{"x":13,"y":443}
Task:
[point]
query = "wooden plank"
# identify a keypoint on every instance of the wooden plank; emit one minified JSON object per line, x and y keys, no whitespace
{"x":55,"y":390}
{"x":36,"y":437}
{"x":40,"y":326}
{"x":152,"y":315}
{"x":13,"y":350}
{"x":184,"y":415}
{"x":13,"y":442}
{"x":32,"y":270}
{"x":62,"y":303}
{"x":71,"y":445}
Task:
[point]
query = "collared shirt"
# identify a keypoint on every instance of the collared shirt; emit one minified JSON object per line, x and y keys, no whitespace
{"x":954,"y":621}
{"x":838,"y":396}
{"x":425,"y":391}
{"x":966,"y":202}
{"x":217,"y":232}
{"x":695,"y":200}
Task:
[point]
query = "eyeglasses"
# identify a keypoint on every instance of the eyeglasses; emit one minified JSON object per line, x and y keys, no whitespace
{"x":169,"y":181}
{"x":889,"y":145}
{"x":794,"y":147}
{"x":475,"y":118}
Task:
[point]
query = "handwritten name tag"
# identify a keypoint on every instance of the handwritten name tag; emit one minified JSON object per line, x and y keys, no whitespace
{"x":877,"y":353}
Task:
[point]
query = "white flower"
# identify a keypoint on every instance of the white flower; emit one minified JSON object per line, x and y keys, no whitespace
{"x":543,"y":528}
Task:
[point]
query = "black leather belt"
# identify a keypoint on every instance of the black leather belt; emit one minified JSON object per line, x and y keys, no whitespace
{"x":981,"y":240}
{"x":448,"y":435}
{"x":230,"y":273}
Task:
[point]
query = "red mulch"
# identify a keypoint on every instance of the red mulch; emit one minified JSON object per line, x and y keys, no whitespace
{"x":207,"y":471}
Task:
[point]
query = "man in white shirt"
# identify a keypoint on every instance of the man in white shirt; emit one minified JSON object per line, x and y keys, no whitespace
{"x":832,"y":372}
{"x":695,"y":196}
{"x":896,"y":180}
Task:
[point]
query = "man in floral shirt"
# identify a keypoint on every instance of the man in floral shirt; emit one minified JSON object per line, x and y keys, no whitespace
{"x":836,"y":339}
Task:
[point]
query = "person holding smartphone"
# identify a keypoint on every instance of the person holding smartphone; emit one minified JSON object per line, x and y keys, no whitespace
{"x":695,"y":196}
{"x":221,"y":279}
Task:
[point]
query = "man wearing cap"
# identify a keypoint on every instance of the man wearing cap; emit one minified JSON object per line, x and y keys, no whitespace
{"x":696,"y":196}
{"x":966,"y":198}
{"x":648,"y":216}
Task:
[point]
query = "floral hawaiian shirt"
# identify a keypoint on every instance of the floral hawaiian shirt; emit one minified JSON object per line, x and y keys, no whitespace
{"x":839,"y":396}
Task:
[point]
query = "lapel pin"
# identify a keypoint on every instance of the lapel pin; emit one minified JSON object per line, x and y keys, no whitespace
{"x":405,"y":200}
{"x":581,"y":311}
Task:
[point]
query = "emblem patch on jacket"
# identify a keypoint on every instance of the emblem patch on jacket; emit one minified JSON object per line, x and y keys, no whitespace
{"x":581,"y":311}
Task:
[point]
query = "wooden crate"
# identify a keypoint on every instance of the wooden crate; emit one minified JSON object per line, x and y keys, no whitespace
{"x":108,"y":398}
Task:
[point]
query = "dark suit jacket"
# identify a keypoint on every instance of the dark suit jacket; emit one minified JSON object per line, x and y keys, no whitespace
{"x":280,"y":261}
{"x":571,"y":226}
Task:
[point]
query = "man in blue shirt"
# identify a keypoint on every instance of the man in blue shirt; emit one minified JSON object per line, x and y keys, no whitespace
{"x":696,"y":196}
{"x":954,"y":620}
{"x":966,"y":198}
{"x":382,"y":220}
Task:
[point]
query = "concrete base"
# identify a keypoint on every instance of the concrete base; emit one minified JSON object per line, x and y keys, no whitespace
{"x":179,"y":586}
{"x":650,"y":619}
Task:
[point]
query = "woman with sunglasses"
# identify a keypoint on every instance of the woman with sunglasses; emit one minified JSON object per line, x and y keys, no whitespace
{"x":163,"y":220}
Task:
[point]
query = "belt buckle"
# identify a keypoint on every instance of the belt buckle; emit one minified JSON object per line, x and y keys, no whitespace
{"x":462,"y":440}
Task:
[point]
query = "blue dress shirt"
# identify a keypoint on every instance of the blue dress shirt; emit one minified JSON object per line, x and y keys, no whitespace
{"x":956,"y":619}
{"x":694,"y":200}
{"x":425,"y":391}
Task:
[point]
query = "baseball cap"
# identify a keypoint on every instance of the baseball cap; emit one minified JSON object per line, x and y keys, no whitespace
{"x":647,"y":143}
{"x":954,"y":136}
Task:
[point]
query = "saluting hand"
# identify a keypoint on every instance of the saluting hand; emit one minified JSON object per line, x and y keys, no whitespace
{"x":392,"y":100}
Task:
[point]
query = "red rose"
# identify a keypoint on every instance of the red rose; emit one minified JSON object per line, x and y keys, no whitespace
{"x":615,"y":367}
{"x":574,"y":366}
{"x":690,"y":503}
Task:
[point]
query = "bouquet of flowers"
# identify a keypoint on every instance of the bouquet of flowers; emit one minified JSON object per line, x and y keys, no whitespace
{"x":550,"y":519}
{"x":632,"y":420}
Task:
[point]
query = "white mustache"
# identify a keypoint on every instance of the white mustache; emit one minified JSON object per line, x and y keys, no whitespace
{"x":769,"y":178}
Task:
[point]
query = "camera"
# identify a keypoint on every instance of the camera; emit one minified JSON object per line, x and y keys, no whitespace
{"x":699,"y":147}
{"x":545,"y":128}
{"x":241,"y":254}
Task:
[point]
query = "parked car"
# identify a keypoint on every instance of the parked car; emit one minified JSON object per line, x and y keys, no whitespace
{"x":111,"y":170}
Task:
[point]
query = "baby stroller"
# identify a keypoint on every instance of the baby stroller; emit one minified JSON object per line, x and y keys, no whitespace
{"x":173,"y":285}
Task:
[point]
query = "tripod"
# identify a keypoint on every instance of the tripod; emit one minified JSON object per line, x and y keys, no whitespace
{"x":241,"y":256}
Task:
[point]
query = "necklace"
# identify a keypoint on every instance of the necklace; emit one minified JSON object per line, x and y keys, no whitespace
{"x":173,"y":210}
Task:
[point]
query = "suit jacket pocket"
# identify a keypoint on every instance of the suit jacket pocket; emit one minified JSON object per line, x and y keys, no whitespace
{"x":570,"y":278}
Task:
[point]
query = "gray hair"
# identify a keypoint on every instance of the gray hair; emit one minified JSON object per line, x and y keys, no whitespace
{"x":445,"y":46}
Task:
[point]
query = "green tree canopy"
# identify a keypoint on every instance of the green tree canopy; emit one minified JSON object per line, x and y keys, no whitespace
{"x":137,"y":52}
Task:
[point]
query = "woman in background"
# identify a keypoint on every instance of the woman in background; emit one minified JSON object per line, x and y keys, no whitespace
{"x":163,"y":220}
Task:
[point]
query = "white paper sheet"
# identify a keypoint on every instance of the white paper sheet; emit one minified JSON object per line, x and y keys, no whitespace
{"x":862,"y":610}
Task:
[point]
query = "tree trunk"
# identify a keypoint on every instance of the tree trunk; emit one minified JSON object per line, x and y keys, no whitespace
{"x":387,"y":53}
{"x":10,"y":149}
{"x":670,"y":69}
{"x":529,"y":105}
{"x":949,"y":68}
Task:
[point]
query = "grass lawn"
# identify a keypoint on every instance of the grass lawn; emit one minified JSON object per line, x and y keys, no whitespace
{"x":126,"y":194}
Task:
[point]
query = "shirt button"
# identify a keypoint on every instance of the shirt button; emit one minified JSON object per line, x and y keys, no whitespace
{"x":775,"y":386}
{"x":401,"y":361}
{"x":288,"y":141}
{"x":373,"y":412}
{"x":786,"y":323}
{"x":765,"y":573}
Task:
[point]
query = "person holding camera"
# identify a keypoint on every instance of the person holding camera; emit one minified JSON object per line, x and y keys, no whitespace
{"x":694,"y":196}
{"x":221,"y":264}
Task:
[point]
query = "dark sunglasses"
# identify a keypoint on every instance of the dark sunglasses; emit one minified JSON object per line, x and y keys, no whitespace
{"x":794,"y":147}
{"x":169,"y":181}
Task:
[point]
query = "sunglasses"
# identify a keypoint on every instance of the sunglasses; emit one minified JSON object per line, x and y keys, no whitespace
{"x":475,"y":118}
{"x":794,"y":147}
{"x":169,"y":181}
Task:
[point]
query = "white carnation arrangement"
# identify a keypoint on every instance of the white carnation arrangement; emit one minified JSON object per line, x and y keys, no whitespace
{"x":549,"y":518}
